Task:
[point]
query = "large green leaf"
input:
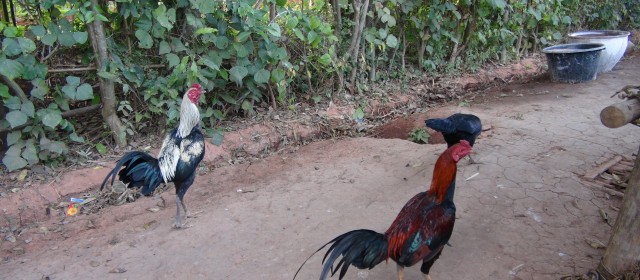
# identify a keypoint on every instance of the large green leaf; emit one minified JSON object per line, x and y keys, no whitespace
{"x":241,"y":50}
{"x":10,"y":32}
{"x":262,"y":76}
{"x":12,"y":159}
{"x":277,"y":75}
{"x":26,"y":45}
{"x":11,"y":47}
{"x":52,"y":118}
{"x":209,"y":63}
{"x":76,"y":138}
{"x":161,"y":16}
{"x":40,"y":88}
{"x":206,"y":6}
{"x":13,"y":137}
{"x":291,"y":22}
{"x":66,"y":39}
{"x":49,"y":39}
{"x":84,"y":92}
{"x":73,"y":80}
{"x":325,"y":59}
{"x":38,"y":30}
{"x":80,"y":37}
{"x":274,"y":29}
{"x":28,"y":108}
{"x":173,"y":59}
{"x":4,"y":91}
{"x":247,"y":106}
{"x":16,"y":118}
{"x":10,"y":68}
{"x":237,"y":73}
{"x":311,"y":37}
{"x":145,"y":40}
{"x":30,"y":153}
{"x":221,"y":42}
{"x":164,"y":48}
{"x":392,"y":41}
{"x":70,"y":89}
{"x":243,"y":36}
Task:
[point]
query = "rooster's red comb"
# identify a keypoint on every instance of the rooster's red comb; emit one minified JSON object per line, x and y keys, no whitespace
{"x":196,"y":86}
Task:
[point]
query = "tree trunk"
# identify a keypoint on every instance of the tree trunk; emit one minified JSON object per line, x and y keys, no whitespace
{"x":107,"y":88}
{"x":421,"y":50}
{"x":337,"y":15}
{"x":372,"y":72}
{"x":360,"y":17}
{"x":272,"y":11}
{"x":623,"y":252}
{"x":470,"y":26}
{"x":503,"y":53}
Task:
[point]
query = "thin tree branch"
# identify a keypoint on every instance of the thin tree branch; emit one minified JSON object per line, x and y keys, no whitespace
{"x":14,"y":87}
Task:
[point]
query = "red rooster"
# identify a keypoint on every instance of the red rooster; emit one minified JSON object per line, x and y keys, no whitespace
{"x":419,"y":232}
{"x":181,"y":152}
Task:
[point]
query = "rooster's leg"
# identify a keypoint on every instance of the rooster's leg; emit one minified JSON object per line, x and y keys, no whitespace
{"x":427,"y":277}
{"x":181,"y":190}
{"x":178,"y":224}
{"x":400,"y":272}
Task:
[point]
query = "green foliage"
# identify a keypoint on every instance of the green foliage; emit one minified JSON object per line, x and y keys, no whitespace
{"x":419,"y":135}
{"x":33,"y":119}
{"x":242,"y":55}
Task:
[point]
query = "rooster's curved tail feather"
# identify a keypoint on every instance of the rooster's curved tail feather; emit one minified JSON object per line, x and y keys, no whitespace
{"x":137,"y":169}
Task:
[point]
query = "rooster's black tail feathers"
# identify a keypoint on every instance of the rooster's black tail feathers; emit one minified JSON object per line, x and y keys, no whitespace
{"x":139,"y":169}
{"x":361,"y":248}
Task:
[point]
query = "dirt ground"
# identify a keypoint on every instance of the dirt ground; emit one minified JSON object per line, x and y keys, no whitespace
{"x":525,"y":215}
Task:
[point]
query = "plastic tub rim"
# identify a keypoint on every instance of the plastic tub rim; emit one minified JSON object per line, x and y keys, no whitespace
{"x":566,"y":48}
{"x":599,"y":34}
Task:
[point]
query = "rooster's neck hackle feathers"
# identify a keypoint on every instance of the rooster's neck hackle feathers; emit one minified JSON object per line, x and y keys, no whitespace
{"x":444,"y":171}
{"x":189,"y":114}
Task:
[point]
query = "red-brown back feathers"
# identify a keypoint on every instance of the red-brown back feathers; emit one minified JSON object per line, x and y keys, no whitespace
{"x":445,"y":169}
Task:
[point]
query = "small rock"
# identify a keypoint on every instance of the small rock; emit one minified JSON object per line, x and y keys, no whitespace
{"x":153,"y":209}
{"x":94,"y":263}
{"x":27,"y":241}
{"x":15,"y":190}
{"x":9,"y":237}
{"x":118,"y":270}
{"x":18,"y":250}
{"x":161,"y":203}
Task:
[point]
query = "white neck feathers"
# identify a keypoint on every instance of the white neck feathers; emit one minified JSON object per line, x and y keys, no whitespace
{"x":189,"y":116}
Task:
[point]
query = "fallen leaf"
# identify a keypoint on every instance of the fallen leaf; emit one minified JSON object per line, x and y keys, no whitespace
{"x":604,"y":216}
{"x":149,"y":224}
{"x":18,"y":250}
{"x":595,"y":243}
{"x":22,"y":175}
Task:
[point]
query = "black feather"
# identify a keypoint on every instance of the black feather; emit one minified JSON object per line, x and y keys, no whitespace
{"x":457,"y":127}
{"x":361,"y":248}
{"x":136,"y":169}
